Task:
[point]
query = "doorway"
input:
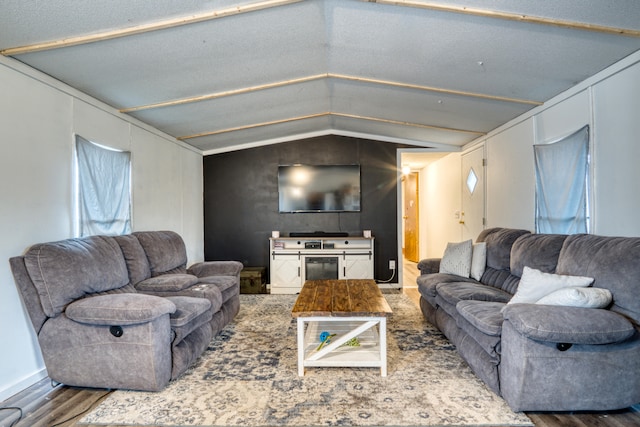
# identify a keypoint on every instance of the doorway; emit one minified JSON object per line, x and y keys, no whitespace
{"x":410,"y":218}
{"x":412,"y":164}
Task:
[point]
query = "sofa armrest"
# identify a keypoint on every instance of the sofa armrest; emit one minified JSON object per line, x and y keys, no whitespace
{"x":571,"y":325}
{"x":215,"y":268}
{"x":429,"y":265}
{"x":119,"y":309}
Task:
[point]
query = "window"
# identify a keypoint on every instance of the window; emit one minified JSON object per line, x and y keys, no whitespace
{"x":102,"y":189}
{"x":562,"y":184}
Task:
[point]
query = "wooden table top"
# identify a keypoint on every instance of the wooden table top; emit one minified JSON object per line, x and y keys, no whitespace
{"x":341,"y":298}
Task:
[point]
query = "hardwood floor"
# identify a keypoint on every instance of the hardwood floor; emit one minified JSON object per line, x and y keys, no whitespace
{"x":45,"y":405}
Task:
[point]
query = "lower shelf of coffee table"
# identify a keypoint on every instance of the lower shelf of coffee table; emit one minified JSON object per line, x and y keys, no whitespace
{"x":369,"y":352}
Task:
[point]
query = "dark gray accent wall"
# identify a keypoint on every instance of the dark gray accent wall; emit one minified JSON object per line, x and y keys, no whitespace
{"x":241,"y":198}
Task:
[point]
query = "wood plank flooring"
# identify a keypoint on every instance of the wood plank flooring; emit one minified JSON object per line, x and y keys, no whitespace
{"x":44,"y":405}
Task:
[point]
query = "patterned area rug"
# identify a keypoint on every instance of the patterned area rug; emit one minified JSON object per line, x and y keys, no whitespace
{"x":248,"y":377}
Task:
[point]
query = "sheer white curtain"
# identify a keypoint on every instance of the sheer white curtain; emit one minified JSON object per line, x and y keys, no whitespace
{"x":562,"y":184}
{"x":104,"y":201}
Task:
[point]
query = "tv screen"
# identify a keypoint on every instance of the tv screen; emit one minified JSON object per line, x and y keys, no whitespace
{"x":319,"y":188}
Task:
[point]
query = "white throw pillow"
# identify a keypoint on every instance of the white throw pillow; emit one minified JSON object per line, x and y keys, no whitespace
{"x":578,"y":297}
{"x":478,"y":260}
{"x":535,"y":284}
{"x":457,"y":258}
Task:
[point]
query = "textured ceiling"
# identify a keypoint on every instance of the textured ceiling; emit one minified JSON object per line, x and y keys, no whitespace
{"x":224,"y":75}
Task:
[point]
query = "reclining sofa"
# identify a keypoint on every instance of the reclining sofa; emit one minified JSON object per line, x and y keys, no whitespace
{"x":544,"y":355}
{"x":123,"y":312}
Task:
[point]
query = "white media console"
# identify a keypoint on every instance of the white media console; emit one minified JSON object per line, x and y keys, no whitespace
{"x":293,"y":260}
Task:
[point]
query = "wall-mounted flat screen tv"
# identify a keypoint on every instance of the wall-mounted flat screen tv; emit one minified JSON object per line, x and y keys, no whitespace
{"x":319,"y":188}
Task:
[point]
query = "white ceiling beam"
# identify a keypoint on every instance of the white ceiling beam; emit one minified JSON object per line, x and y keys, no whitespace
{"x":486,"y":13}
{"x":222,"y":94}
{"x":249,"y":89}
{"x":145,"y":28}
{"x":324,"y":114}
{"x":435,"y":89}
{"x":433,"y":146}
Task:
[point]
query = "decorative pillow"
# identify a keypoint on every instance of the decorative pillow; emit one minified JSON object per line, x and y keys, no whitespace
{"x":578,"y":297}
{"x":478,"y":260}
{"x":457,"y":258}
{"x":534,"y":284}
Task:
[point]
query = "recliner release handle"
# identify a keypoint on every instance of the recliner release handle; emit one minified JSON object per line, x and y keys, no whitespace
{"x":116,"y":331}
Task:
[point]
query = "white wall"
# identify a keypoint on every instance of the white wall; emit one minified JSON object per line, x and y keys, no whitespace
{"x":38,"y":119}
{"x":441,"y":197}
{"x":616,"y":153}
{"x":510,"y":178}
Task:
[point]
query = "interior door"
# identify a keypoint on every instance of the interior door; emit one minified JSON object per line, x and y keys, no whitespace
{"x":472,"y":217}
{"x":410,"y":217}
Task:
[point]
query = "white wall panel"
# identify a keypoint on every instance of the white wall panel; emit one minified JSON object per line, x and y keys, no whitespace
{"x":617,"y":153}
{"x":510,"y":178}
{"x":156,"y":182}
{"x":441,"y":199}
{"x":95,"y":125}
{"x":192,"y":205}
{"x":563,"y":119}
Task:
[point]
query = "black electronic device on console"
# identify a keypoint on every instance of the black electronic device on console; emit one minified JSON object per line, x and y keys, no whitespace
{"x":319,"y":234}
{"x":313,"y":245}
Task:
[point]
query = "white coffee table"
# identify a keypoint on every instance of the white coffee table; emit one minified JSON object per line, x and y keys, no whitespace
{"x":349,"y":309}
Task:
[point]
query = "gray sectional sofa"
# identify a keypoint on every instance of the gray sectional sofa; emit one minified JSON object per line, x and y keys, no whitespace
{"x":123,"y":312}
{"x":544,"y":355}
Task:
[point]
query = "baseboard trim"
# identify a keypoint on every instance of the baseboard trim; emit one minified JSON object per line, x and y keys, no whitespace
{"x":22,"y":384}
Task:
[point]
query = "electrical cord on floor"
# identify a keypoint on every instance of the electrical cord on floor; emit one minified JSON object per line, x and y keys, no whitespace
{"x":393,"y":274}
{"x":13,"y":408}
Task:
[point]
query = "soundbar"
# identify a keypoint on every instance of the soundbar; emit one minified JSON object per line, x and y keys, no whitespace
{"x":319,"y":234}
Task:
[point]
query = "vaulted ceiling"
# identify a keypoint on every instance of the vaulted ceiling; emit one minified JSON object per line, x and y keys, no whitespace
{"x":223,"y":75}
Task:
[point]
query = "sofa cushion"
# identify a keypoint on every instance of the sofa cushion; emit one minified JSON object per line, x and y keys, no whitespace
{"x":187,"y":309}
{"x":191,"y":313}
{"x":457,"y":258}
{"x":460,"y":291}
{"x":165,"y":251}
{"x":228,"y":285}
{"x":574,"y":325}
{"x":499,"y":244}
{"x":490,"y":344}
{"x":501,"y":279}
{"x":119,"y":309}
{"x":70,"y":269}
{"x":613,"y":263}
{"x":135,"y":257}
{"x":167,"y":283}
{"x":539,"y":251}
{"x":535,"y":284}
{"x":483,"y":315}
